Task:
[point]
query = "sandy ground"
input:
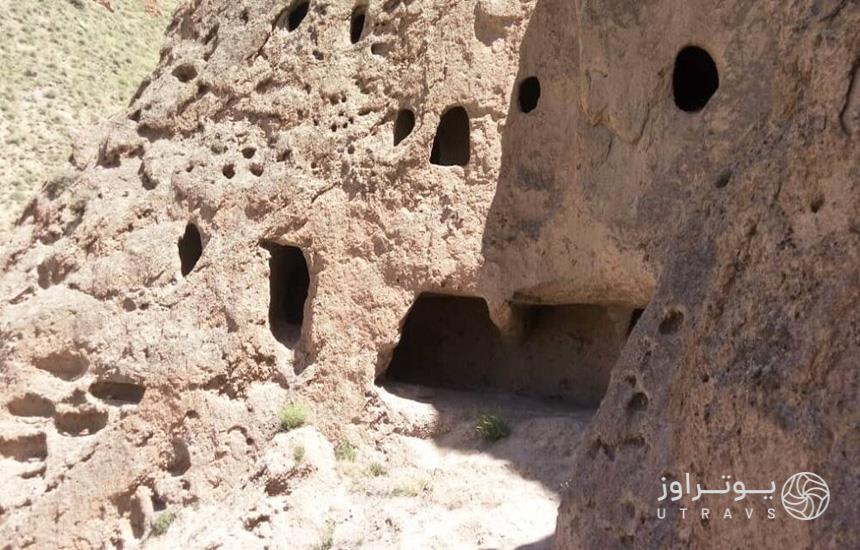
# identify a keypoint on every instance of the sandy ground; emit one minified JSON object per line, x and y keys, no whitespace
{"x":413,"y":490}
{"x":66,"y":66}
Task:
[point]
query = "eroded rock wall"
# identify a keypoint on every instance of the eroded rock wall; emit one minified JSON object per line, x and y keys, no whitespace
{"x":745,"y":352}
{"x":263,"y":126}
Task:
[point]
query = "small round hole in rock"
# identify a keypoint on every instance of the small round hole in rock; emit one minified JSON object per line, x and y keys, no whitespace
{"x":118,"y":393}
{"x":816,"y":203}
{"x":149,"y":183}
{"x":529,"y":94}
{"x":185,"y":72}
{"x":293,"y":16}
{"x":695,"y":79}
{"x":85,"y":420}
{"x":723,"y":179}
{"x":638,"y":402}
{"x":356,"y":24}
{"x":190,"y":249}
{"x":249,"y":152}
{"x":31,"y":404}
{"x":671,"y":322}
{"x":181,"y":460}
{"x":257,"y":169}
{"x":403,"y":125}
{"x":229,"y":171}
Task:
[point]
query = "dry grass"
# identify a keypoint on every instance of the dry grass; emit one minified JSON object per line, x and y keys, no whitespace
{"x":66,"y":65}
{"x":162,"y":523}
{"x":345,"y":451}
{"x":292,"y":416}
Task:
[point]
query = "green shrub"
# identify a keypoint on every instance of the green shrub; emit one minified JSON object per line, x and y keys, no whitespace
{"x":344,"y":451}
{"x":327,"y":541}
{"x":491,"y":427}
{"x":293,"y":416}
{"x":161,"y":524}
{"x":376,"y":469}
{"x":299,"y":453}
{"x":412,"y":489}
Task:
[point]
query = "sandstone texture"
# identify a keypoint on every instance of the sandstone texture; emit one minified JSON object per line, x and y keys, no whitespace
{"x":644,"y":276}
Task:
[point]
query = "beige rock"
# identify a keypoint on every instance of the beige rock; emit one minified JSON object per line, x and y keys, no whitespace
{"x":249,"y":234}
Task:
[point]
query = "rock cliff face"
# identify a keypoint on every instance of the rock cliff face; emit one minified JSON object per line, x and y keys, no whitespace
{"x":665,"y":190}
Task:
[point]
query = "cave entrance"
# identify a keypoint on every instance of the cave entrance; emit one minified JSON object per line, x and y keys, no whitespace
{"x":190,"y":249}
{"x":560,"y":352}
{"x":356,"y":24}
{"x":695,"y":79}
{"x":293,"y":16}
{"x":404,"y":122}
{"x":451,"y":144}
{"x":529,"y":94}
{"x":288,"y":289}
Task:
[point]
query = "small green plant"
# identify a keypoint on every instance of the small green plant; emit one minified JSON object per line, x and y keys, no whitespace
{"x":161,"y":524}
{"x":376,"y":469}
{"x":401,"y":492}
{"x":299,"y":453}
{"x":293,"y":416}
{"x":412,"y":489}
{"x":491,"y":427}
{"x":327,"y":541}
{"x":345,"y":451}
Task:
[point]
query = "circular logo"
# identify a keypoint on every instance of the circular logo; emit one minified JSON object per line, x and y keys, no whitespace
{"x":805,"y":496}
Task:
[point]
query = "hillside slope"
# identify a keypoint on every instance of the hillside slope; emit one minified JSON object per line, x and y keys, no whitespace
{"x":67,"y":65}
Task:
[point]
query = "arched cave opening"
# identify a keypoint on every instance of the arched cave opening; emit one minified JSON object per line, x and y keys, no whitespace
{"x":560,"y":352}
{"x":451,"y":144}
{"x":190,"y":249}
{"x":403,"y":125}
{"x":289,"y":281}
{"x":695,"y":79}
{"x":529,"y":94}
{"x":356,"y":23}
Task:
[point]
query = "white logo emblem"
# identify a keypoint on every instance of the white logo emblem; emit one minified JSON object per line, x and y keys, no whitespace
{"x":805,"y":496}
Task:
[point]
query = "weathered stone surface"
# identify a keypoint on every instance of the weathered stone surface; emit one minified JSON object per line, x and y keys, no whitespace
{"x":734,"y":227}
{"x":758,"y":250}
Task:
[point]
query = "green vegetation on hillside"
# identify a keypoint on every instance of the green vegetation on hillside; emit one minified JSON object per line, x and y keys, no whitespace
{"x":67,"y":64}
